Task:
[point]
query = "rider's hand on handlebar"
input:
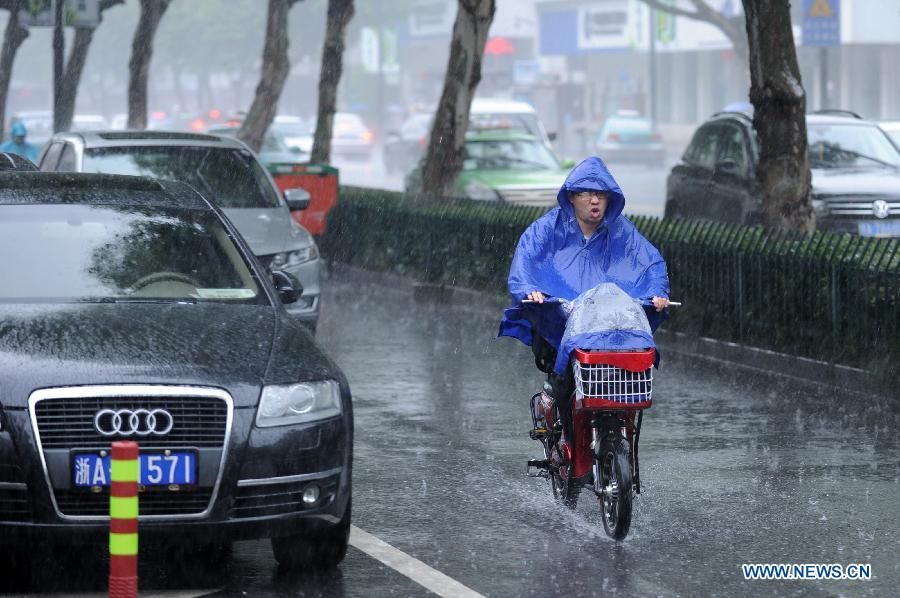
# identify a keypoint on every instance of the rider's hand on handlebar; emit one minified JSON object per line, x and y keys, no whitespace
{"x":660,"y":303}
{"x":536,"y":296}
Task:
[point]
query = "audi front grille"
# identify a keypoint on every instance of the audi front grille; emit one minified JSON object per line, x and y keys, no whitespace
{"x":66,"y":419}
{"x":69,"y":423}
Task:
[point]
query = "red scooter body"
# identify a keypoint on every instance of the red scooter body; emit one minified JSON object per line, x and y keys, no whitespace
{"x":601,"y":386}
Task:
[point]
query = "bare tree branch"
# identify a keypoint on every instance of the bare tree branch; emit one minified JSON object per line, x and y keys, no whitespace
{"x":731,"y":27}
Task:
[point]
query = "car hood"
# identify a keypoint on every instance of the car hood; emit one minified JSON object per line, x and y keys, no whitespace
{"x":269,"y":230}
{"x":516,"y":179}
{"x":202,"y":344}
{"x":860,"y":182}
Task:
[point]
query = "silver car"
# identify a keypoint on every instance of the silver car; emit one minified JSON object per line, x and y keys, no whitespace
{"x":225,"y":171}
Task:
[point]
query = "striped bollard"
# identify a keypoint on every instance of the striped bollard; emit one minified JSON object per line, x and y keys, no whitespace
{"x":123,"y":521}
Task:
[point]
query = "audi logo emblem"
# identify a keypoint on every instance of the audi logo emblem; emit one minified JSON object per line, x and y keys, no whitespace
{"x":137,"y":422}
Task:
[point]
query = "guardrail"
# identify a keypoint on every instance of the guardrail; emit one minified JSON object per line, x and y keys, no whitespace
{"x":823,"y":296}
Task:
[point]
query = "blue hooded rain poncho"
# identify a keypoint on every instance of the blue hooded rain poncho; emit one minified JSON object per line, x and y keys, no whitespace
{"x":24,"y":149}
{"x":554,"y":257}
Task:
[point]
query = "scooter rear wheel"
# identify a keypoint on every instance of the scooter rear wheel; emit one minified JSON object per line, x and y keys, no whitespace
{"x":616,"y":483}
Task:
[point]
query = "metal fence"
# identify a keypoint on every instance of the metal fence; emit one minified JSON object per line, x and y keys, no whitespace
{"x":823,"y":296}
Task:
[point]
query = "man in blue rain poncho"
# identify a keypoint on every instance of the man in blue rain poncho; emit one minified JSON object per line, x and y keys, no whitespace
{"x":571,"y":249}
{"x":18,"y":145}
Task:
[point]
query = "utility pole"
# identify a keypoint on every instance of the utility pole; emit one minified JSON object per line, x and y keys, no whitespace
{"x":58,"y":47}
{"x":823,"y":79}
{"x":653,"y":113}
{"x":379,"y":29}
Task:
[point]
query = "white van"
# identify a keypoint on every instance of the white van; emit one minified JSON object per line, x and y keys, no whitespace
{"x":404,"y":148}
{"x":509,"y":112}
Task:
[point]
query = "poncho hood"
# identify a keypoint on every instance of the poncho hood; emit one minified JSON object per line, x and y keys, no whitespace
{"x":592,"y":175}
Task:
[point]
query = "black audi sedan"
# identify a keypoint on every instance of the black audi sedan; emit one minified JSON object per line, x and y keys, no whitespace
{"x":130,"y":309}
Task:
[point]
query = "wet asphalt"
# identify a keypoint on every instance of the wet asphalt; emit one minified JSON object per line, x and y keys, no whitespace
{"x":734,"y":470}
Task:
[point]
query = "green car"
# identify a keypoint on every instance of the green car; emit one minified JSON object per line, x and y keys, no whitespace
{"x":514,"y":167}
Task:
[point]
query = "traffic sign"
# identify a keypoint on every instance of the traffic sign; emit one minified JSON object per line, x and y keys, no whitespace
{"x":822,"y":23}
{"x":370,"y":49}
{"x":665,"y":25}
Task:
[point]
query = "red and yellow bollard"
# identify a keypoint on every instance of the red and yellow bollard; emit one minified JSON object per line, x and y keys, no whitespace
{"x":123,"y":521}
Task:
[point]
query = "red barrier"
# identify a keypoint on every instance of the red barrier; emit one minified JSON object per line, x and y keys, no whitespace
{"x":320,"y":181}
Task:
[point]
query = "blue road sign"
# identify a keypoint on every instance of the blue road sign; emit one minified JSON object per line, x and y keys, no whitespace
{"x":822,"y":23}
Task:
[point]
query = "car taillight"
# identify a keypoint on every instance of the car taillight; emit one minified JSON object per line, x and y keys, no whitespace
{"x":655,"y":137}
{"x":158,"y":115}
{"x":423,"y":142}
{"x":197,"y":124}
{"x":367,"y":136}
{"x":215,"y":114}
{"x":613,"y":137}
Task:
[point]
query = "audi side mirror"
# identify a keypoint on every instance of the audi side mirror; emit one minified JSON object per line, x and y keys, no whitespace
{"x":297,"y":199}
{"x":287,"y":285}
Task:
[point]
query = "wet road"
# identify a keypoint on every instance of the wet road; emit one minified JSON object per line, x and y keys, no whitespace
{"x":733,"y":473}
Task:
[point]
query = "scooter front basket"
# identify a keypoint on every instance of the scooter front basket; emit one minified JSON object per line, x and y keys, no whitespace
{"x":613,"y":379}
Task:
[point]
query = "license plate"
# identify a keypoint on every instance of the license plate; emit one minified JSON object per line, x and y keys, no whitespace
{"x":880,"y":228}
{"x":155,"y":469}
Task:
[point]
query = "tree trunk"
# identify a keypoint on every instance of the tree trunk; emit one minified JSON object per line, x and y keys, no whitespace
{"x":339,"y":14}
{"x":779,"y":116}
{"x":139,"y":65}
{"x":445,"y":153}
{"x":12,"y":40}
{"x":72,"y":75}
{"x":275,"y":68}
{"x":71,"y":78}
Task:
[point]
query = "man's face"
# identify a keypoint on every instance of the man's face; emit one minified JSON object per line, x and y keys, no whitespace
{"x":590,"y":206}
{"x":19,"y":139}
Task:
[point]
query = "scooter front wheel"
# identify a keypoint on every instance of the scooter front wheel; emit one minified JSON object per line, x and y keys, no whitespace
{"x":616,"y":482}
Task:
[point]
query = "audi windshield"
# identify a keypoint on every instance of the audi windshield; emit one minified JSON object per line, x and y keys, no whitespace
{"x":63,"y":253}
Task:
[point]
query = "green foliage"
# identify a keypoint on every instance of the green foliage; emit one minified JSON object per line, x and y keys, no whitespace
{"x":823,"y":296}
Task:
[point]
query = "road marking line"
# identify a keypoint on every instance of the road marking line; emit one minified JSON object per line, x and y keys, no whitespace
{"x":411,"y":567}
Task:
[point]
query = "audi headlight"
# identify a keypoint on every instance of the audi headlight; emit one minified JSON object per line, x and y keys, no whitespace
{"x":295,"y":258}
{"x":477,"y":191}
{"x":282,"y":405}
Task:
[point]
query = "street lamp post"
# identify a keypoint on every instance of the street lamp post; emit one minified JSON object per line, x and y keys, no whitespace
{"x":58,"y":46}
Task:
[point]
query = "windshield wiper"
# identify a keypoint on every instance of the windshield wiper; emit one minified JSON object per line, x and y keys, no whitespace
{"x":524,"y":161}
{"x":858,"y":155}
{"x":135,"y":300}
